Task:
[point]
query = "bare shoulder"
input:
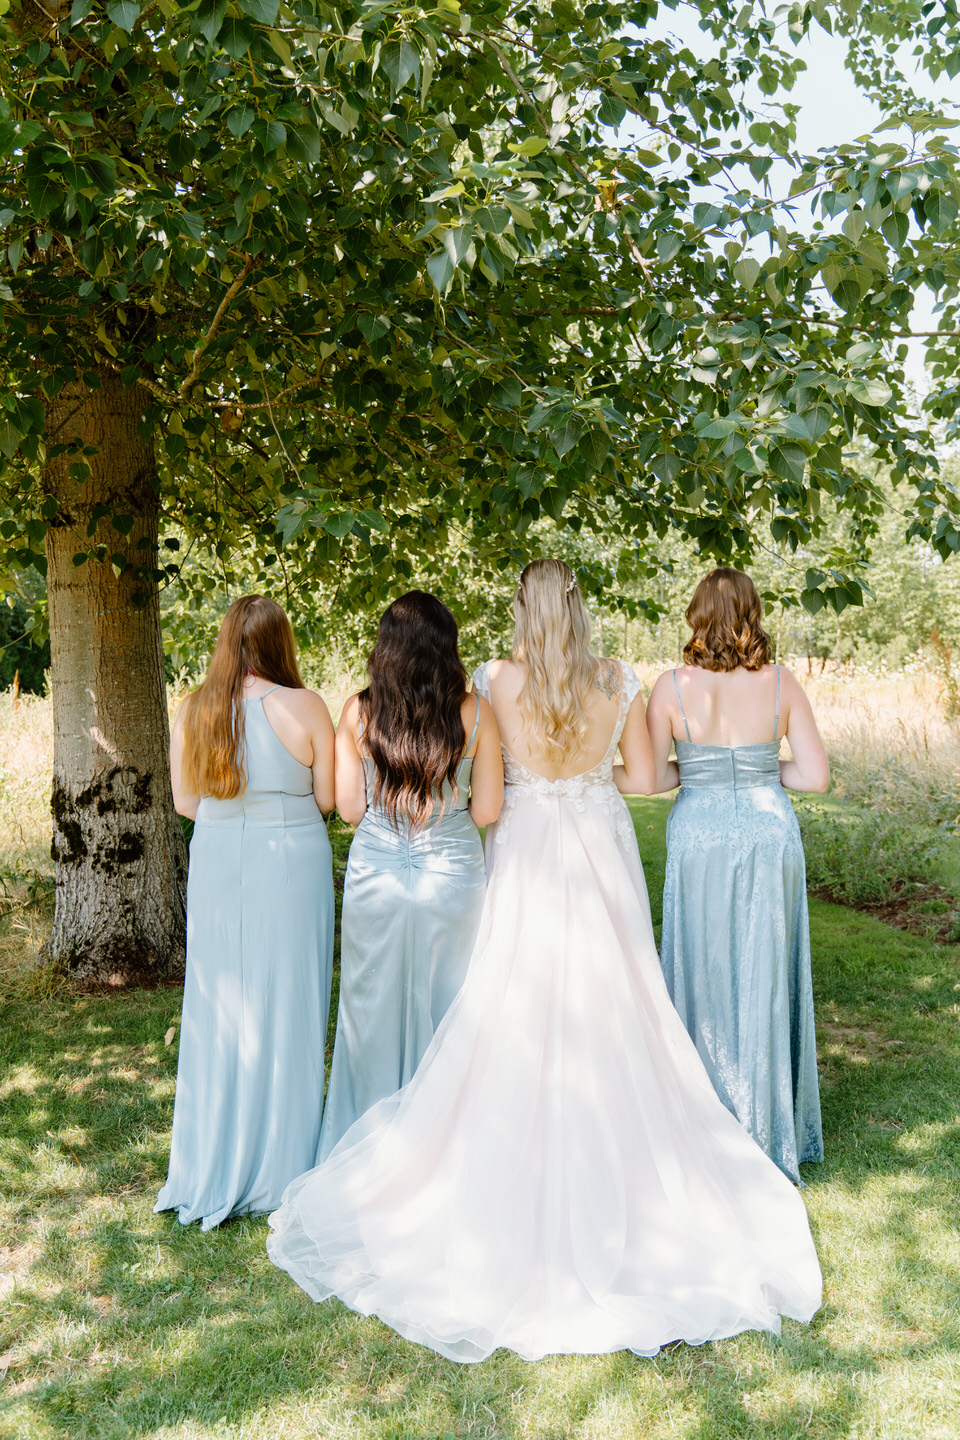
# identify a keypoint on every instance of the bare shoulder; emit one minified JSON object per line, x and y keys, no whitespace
{"x":663,"y":693}
{"x":350,"y":713}
{"x":791,"y":691}
{"x":609,"y":677}
{"x":507,"y":676}
{"x":183,"y":707}
{"x":304,"y":705}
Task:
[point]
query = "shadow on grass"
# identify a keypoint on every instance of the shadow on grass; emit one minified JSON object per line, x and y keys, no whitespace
{"x":125,"y":1324}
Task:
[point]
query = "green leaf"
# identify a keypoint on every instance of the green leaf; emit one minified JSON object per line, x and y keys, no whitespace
{"x":270,"y":133}
{"x":264,"y":12}
{"x":124,"y":14}
{"x":508,"y":394}
{"x":612,"y":110}
{"x":340,"y":523}
{"x":303,"y":144}
{"x":44,"y":193}
{"x":400,"y":61}
{"x":668,"y":245}
{"x":594,"y":447}
{"x":373,"y":327}
{"x":940,"y":210}
{"x":566,"y":435}
{"x":209,"y":19}
{"x":441,"y":270}
{"x":747,"y":272}
{"x":241,"y":117}
{"x":236,"y":37}
{"x":812,"y":601}
{"x":870,"y":392}
{"x":787,"y":461}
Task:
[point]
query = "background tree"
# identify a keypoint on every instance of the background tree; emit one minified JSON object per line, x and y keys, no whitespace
{"x":319,"y":281}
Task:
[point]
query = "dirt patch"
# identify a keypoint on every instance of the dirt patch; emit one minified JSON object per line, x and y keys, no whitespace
{"x":861,"y":1044}
{"x":923,"y":909}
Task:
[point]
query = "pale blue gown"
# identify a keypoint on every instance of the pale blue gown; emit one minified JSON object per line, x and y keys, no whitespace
{"x":412,"y":899}
{"x":249,"y":1094}
{"x":735,"y":948}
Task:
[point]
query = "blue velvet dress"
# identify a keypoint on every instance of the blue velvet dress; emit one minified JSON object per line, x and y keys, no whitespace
{"x":412,"y":899}
{"x":735,"y":948}
{"x":246,"y":1116}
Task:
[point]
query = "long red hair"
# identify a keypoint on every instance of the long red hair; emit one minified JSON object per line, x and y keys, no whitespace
{"x":255,"y":635}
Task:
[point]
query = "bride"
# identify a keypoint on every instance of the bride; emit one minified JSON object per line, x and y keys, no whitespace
{"x":558,"y":1176}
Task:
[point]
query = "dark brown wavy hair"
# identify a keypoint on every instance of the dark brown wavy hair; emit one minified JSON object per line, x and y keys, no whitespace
{"x":254,"y":635}
{"x":725,"y":615}
{"x":412,"y":726}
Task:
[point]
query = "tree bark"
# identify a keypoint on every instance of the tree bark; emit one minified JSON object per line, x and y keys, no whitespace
{"x":117,"y":841}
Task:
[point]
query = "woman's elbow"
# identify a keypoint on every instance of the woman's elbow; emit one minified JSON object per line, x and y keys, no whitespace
{"x":485,"y":811}
{"x":822,"y":779}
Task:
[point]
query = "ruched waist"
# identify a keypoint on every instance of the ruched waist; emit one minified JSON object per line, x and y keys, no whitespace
{"x":402,"y":829}
{"x":260,"y":808}
{"x":728,"y":767}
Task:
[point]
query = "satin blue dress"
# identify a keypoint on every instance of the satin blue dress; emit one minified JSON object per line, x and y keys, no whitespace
{"x":260,"y":911}
{"x":735,"y":948}
{"x":412,"y":899}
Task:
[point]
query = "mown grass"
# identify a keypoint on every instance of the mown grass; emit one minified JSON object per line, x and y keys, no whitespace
{"x":118,"y":1323}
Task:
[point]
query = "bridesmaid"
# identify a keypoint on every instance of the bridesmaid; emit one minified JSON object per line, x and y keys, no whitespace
{"x":252,"y":760}
{"x":419,"y":767}
{"x":735,"y":949}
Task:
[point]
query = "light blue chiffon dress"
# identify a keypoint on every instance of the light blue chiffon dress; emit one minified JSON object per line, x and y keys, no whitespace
{"x":249,"y":1095}
{"x":735,"y":948}
{"x":412,"y":899}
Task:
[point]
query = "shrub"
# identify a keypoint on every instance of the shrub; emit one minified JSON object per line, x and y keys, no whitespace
{"x":862,"y":857}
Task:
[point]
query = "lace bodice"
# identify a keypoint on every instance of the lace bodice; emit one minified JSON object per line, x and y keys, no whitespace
{"x":594,"y":785}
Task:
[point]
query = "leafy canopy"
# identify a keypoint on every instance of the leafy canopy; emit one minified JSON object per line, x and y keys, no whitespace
{"x":383,"y":269}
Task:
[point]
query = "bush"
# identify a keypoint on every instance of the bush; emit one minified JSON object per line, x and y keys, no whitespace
{"x":863,"y":858}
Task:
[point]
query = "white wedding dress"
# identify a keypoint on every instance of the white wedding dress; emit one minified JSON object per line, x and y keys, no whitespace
{"x":559,"y":1175}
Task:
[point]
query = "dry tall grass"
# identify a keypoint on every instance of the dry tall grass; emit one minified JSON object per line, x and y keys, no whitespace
{"x":26,"y":869}
{"x":891,"y":747}
{"x":890,"y":744}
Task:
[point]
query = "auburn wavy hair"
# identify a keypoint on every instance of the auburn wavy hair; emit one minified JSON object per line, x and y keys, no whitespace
{"x":254,"y":636}
{"x":725,"y":615}
{"x":412,"y":725}
{"x":551,"y":638}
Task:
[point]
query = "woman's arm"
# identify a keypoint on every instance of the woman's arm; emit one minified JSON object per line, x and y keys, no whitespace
{"x":486,"y":777}
{"x":809,"y":769}
{"x":351,"y":783}
{"x":184,"y":800}
{"x":638,"y":773}
{"x":659,"y":725}
{"x":320,"y":728}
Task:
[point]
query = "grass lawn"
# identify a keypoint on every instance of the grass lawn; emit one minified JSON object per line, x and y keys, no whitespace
{"x":117,"y":1323}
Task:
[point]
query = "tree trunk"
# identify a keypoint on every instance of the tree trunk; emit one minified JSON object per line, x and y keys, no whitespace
{"x":117,"y":842}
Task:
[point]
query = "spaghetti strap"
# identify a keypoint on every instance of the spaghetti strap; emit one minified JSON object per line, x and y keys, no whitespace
{"x":476,"y":727}
{"x":265,"y":693}
{"x":776,"y":716}
{"x":680,"y":703}
{"x":359,"y":721}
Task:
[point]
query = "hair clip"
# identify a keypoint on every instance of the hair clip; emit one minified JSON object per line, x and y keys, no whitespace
{"x":572,"y":585}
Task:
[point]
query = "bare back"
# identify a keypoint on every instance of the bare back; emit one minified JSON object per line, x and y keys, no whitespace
{"x":728,"y":707}
{"x":506,"y":679}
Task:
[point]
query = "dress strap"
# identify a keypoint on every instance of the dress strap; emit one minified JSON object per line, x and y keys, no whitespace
{"x":359,"y":721}
{"x":476,"y":726}
{"x":266,"y":692}
{"x":776,"y":715}
{"x":680,"y":703}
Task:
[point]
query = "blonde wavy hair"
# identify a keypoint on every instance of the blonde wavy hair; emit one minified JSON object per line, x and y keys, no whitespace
{"x":725,"y":615}
{"x":552,"y":639}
